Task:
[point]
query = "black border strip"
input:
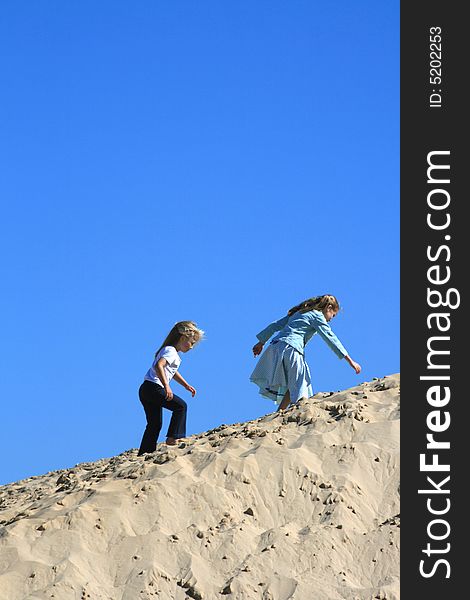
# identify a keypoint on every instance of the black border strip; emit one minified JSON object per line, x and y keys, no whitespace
{"x":433,"y":256}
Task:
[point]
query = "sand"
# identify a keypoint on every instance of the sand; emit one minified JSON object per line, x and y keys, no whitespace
{"x":301,"y":505}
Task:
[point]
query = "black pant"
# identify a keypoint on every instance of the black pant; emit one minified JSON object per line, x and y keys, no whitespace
{"x":153,"y":400}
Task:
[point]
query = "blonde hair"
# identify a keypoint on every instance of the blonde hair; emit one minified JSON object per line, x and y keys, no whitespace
{"x":315,"y":303}
{"x":187,"y":329}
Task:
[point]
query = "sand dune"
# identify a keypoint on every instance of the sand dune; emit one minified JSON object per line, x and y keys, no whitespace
{"x":301,"y":505}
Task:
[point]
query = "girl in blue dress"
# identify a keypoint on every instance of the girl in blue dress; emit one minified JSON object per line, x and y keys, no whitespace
{"x":282,"y":373}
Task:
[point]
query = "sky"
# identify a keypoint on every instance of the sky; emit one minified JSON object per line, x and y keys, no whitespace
{"x":178,"y":160}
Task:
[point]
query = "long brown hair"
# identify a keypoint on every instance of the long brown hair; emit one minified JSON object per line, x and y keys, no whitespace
{"x":315,"y":303}
{"x":187,"y":329}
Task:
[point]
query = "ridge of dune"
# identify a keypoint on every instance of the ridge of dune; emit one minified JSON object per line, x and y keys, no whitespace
{"x":300,"y":505}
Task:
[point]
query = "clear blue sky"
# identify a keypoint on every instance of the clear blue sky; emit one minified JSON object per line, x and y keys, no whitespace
{"x":170,"y":160}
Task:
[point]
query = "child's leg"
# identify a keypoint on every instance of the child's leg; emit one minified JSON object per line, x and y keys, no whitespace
{"x":151,"y":398}
{"x":285,"y":401}
{"x":298,"y":377}
{"x":177,"y":426}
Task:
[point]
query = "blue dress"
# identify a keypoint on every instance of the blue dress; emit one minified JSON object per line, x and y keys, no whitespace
{"x":282,"y":366}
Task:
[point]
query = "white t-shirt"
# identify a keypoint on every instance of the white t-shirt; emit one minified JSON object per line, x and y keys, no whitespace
{"x":173,"y":361}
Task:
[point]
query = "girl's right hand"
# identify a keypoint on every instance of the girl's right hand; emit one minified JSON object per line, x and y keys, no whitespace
{"x":258,"y":348}
{"x":169,"y":393}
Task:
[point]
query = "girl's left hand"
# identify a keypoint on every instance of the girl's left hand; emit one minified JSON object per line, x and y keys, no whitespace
{"x":356,"y":366}
{"x":258,"y":348}
{"x":191,"y":389}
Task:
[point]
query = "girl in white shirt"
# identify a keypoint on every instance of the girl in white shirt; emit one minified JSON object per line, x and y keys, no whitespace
{"x":155,"y":392}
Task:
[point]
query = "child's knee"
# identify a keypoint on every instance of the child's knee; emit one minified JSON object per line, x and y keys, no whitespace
{"x":182,"y":405}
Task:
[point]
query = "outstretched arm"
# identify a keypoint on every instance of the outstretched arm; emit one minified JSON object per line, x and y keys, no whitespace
{"x":322,"y":327}
{"x":324,"y":330}
{"x":263,"y":336}
{"x":356,"y":366}
{"x":182,"y":381}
